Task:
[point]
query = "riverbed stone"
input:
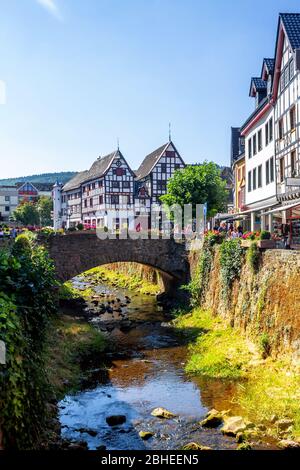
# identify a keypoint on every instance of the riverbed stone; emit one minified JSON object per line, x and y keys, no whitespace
{"x":288,"y":444}
{"x":162,"y":413}
{"x":235,"y":424}
{"x":115,"y":420}
{"x":284,"y":424}
{"x":145,"y":435}
{"x":195,"y":446}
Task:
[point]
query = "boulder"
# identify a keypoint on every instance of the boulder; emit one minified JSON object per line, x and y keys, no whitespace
{"x":195,"y":446}
{"x":115,"y":420}
{"x":145,"y":435}
{"x":162,"y":413}
{"x":244,"y":446}
{"x":235,"y":424}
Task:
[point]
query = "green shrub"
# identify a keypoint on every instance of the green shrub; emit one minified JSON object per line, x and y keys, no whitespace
{"x":80,"y":226}
{"x":265,"y":345}
{"x":265,"y":235}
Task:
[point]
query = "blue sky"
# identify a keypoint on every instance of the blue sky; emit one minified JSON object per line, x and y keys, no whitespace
{"x":81,"y":73}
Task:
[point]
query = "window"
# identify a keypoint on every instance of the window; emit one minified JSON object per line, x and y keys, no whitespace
{"x":6,"y":208}
{"x":114,"y":199}
{"x":293,"y":163}
{"x":286,"y":75}
{"x":267,"y":172}
{"x":254,"y":144}
{"x":293,"y":118}
{"x":249,"y":148}
{"x":163,"y":167}
{"x":7,"y":198}
{"x":267,"y":133}
{"x":282,"y":81}
{"x":85,"y":203}
{"x":93,"y":185}
{"x":272,"y":169}
{"x":101,"y":199}
{"x":249,"y":182}
{"x":259,"y":176}
{"x":271,"y":130}
{"x":254,"y":179}
{"x":126,"y":184}
{"x":280,"y":128}
{"x":115,"y":184}
{"x":170,"y":153}
{"x":91,"y":202}
{"x":281,"y":169}
{"x":161,"y":185}
{"x":291,"y":69}
{"x":259,"y":138}
{"x":177,"y":166}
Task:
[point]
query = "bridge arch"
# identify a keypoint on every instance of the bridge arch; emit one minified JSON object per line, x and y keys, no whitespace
{"x":77,"y":252}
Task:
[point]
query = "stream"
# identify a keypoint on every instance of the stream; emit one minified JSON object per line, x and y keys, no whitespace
{"x":145,"y":371}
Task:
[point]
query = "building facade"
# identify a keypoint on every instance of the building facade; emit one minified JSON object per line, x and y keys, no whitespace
{"x":92,"y":197}
{"x":12,"y":196}
{"x":272,"y":139}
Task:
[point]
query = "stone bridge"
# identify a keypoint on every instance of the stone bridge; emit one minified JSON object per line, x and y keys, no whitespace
{"x":77,"y":252}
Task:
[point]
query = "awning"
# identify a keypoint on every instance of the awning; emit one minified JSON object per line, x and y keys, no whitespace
{"x":245,"y":213}
{"x":280,"y":208}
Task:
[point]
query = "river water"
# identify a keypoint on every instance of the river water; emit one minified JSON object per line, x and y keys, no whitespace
{"x":145,"y":371}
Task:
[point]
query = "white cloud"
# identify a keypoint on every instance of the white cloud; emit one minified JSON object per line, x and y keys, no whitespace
{"x":51,"y":7}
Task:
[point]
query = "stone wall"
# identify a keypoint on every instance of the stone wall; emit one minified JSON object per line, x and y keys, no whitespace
{"x":267,"y":302}
{"x":145,"y":273}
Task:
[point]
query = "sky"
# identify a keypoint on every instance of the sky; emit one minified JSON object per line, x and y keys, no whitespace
{"x":76,"y":76}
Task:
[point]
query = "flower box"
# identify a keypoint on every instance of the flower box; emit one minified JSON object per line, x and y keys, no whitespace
{"x":266,"y":244}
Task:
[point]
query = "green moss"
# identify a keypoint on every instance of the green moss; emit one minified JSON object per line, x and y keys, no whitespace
{"x":219,"y":351}
{"x":68,"y":292}
{"x":69,"y":343}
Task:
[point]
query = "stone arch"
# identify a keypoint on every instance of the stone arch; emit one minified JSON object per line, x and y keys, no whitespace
{"x":77,"y":252}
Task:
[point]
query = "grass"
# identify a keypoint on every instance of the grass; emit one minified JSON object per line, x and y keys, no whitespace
{"x":268,"y":387}
{"x":128,"y":281}
{"x":70,"y":343}
{"x":218,"y":351}
{"x":272,"y":388}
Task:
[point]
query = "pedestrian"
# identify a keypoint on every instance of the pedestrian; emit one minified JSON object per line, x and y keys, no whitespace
{"x":13,"y":233}
{"x":1,"y":233}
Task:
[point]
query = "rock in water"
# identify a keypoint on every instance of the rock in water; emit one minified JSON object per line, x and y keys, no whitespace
{"x":163,"y":413}
{"x":235,"y":424}
{"x":145,"y":435}
{"x":114,"y":420}
{"x":213,"y":419}
{"x":195,"y":446}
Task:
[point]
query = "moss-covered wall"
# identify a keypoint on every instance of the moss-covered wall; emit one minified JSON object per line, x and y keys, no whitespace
{"x":140,"y":271}
{"x":266,"y":302}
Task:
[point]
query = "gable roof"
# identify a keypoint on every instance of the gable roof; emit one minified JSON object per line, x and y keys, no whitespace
{"x":268,"y":67}
{"x":258,"y":84}
{"x":150,"y":160}
{"x":76,"y":181}
{"x":101,"y":166}
{"x":291,"y":24}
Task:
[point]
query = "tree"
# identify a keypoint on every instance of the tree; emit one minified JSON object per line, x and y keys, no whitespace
{"x":27,"y":213}
{"x":197,"y":184}
{"x":44,"y":207}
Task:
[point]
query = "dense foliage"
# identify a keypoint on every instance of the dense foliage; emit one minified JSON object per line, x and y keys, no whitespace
{"x":197,"y":184}
{"x":34,"y":213}
{"x":26,"y":304}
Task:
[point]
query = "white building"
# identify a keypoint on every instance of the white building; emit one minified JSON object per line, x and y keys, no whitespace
{"x":92,"y":197}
